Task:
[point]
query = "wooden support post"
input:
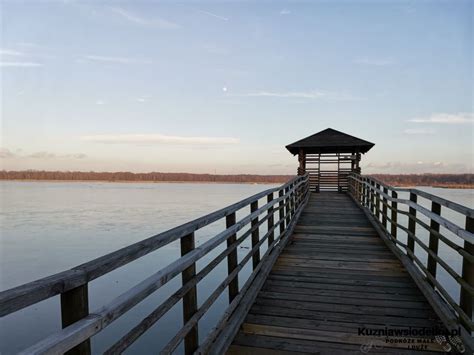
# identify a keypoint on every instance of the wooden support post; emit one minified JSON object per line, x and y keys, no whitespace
{"x":434,"y":241}
{"x":232,"y":259}
{"x":384,"y":209}
{"x":270,"y":221}
{"x":357,"y":167}
{"x":411,"y":223}
{"x":281,"y":212}
{"x":377,"y":201}
{"x":394,"y":215}
{"x":255,"y":235}
{"x":191,"y":341}
{"x":466,"y":300}
{"x":74,"y":307}
{"x":302,"y":162}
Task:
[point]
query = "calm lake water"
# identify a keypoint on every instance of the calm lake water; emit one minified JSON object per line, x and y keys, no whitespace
{"x":49,"y":227}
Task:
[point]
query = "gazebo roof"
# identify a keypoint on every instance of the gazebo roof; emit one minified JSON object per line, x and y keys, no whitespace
{"x":330,"y":141}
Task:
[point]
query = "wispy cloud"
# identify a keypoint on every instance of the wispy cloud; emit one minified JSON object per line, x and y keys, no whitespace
{"x":158,"y":139}
{"x":48,"y":155}
{"x":139,"y":20}
{"x":117,"y":60}
{"x":420,"y":131}
{"x":20,"y":64}
{"x":10,"y":52}
{"x":311,"y":95}
{"x":213,"y":15}
{"x":447,"y":118}
{"x":285,"y":12}
{"x":100,"y":102}
{"x":8,"y":154}
{"x":378,"y":62}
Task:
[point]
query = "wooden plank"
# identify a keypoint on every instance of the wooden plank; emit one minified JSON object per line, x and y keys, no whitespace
{"x":383,"y":278}
{"x":311,"y":258}
{"x":295,"y":346}
{"x":350,"y":310}
{"x":271,"y":293}
{"x":251,"y":350}
{"x":310,"y":290}
{"x":266,"y":307}
{"x":320,"y":335}
{"x":344,"y":265}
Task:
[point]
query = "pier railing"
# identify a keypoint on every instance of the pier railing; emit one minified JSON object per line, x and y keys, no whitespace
{"x":432,"y":230}
{"x":278,"y":215}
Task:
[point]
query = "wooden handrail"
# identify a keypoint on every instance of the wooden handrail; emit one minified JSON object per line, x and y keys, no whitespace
{"x":368,"y":191}
{"x":279,"y":214}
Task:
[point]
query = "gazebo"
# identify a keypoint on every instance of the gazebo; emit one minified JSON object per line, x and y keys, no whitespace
{"x":329,"y":156}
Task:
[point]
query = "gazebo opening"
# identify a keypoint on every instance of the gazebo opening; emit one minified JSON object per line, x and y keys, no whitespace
{"x":329,"y":156}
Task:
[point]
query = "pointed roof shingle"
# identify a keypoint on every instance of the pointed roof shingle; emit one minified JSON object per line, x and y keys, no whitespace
{"x":330,"y":141}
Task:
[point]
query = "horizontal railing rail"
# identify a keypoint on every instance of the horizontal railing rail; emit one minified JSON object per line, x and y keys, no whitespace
{"x":279,"y":213}
{"x":383,"y":205}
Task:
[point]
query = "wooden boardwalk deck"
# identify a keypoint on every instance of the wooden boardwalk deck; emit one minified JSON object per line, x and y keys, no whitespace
{"x":334,"y":277}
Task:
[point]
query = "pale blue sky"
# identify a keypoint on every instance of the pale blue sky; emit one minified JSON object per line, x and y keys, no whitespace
{"x":224,"y":86}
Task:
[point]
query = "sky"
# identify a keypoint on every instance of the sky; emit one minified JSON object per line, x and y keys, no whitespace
{"x":222,"y":87}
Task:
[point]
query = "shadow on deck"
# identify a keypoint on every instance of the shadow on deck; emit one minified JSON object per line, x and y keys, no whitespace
{"x":334,"y":278}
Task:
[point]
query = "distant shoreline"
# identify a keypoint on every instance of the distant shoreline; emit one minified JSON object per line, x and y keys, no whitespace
{"x":447,"y":181}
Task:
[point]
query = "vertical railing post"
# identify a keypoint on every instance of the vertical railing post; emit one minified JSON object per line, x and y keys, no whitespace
{"x":270,"y":221}
{"x":411,"y":223}
{"x":287,"y":207}
{"x":232,"y":260}
{"x":255,"y":235}
{"x":394,"y":215}
{"x":384,"y":209}
{"x":372,"y":197}
{"x":364,"y":192}
{"x":191,"y":341}
{"x":281,"y":212}
{"x":377,"y":201}
{"x":357,"y":184}
{"x":74,"y":307}
{"x":434,"y":241}
{"x":466,"y":300}
{"x":292,"y":199}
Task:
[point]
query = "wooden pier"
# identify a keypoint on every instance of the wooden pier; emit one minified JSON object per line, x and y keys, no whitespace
{"x":328,"y":269}
{"x":334,"y":277}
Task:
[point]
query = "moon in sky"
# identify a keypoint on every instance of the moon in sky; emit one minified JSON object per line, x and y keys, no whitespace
{"x":224,"y":89}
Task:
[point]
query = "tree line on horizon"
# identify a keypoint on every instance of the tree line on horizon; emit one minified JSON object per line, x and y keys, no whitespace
{"x":448,"y":180}
{"x":144,"y":177}
{"x":436,"y":180}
